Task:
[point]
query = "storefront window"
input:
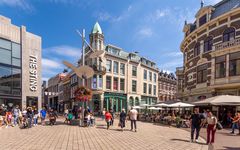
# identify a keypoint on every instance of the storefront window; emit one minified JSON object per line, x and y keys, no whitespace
{"x":220,"y":67}
{"x":131,"y":101}
{"x":234,"y":64}
{"x":134,"y":86}
{"x":5,"y":80}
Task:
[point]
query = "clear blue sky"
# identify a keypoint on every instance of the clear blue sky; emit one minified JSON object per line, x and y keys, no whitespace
{"x":151,"y":27}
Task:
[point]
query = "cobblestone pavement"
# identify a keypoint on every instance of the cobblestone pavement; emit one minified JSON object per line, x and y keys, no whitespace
{"x":65,"y":137}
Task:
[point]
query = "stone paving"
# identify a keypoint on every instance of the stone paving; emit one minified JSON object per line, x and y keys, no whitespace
{"x":66,"y":137}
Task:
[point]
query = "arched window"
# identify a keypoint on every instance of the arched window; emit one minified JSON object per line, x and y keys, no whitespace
{"x":131,"y":101}
{"x":197,"y":49}
{"x":137,"y":103}
{"x":208,"y":43}
{"x":229,"y":34}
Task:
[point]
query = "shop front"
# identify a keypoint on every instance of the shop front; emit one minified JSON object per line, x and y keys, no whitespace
{"x":115,"y":101}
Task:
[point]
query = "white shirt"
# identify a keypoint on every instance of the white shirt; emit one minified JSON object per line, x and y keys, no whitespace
{"x":133,"y":114}
{"x":210,"y":120}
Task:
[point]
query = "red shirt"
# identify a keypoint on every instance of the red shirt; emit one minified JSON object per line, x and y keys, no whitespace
{"x":108,"y":116}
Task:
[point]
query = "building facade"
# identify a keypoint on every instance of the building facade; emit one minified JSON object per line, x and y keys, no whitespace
{"x":20,"y":66}
{"x":167,"y":86}
{"x":211,"y":49}
{"x":122,"y":79}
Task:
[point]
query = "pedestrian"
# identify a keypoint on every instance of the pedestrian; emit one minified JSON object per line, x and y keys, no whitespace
{"x":235,"y":121}
{"x":16,"y":112}
{"x":108,"y":118}
{"x":196,"y":121}
{"x":69,"y":117}
{"x":122,"y":120}
{"x":9,"y":118}
{"x":35,"y":117}
{"x":92,"y":119}
{"x":29,"y":116}
{"x":2,"y":116}
{"x":52,"y":117}
{"x":66,"y":111}
{"x":211,"y":121}
{"x":103,"y":113}
{"x":112,"y":113}
{"x":43,"y":114}
{"x":133,"y":117}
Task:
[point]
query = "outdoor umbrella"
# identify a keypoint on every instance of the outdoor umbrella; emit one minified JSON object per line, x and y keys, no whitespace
{"x":161,"y":105}
{"x":180,"y":105}
{"x":152,"y":108}
{"x":146,"y":105}
{"x":221,"y":100}
{"x":137,"y":107}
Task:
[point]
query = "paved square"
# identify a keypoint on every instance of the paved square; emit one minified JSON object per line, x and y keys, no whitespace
{"x":65,"y":137}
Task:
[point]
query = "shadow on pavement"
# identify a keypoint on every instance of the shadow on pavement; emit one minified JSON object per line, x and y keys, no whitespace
{"x":231,"y":148}
{"x":187,"y":141}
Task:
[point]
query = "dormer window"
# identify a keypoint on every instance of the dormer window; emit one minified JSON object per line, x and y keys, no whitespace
{"x":202,"y":20}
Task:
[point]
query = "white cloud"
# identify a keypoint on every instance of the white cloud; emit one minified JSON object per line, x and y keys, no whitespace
{"x":158,"y":14}
{"x":145,"y":32}
{"x":174,"y":54}
{"x":64,"y":50}
{"x":23,"y":4}
{"x":171,"y":64}
{"x":47,"y":63}
{"x":211,"y":2}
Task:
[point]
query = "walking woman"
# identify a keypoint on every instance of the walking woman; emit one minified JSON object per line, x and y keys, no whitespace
{"x":108,"y":118}
{"x":211,"y":127}
{"x":122,"y":120}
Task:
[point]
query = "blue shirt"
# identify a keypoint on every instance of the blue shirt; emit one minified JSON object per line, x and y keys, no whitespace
{"x":43,"y":113}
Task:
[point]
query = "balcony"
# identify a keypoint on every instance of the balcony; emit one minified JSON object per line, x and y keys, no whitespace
{"x":227,"y":44}
{"x":99,"y":69}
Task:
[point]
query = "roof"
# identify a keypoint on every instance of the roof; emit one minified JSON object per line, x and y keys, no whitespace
{"x":97,"y":29}
{"x":224,"y":6}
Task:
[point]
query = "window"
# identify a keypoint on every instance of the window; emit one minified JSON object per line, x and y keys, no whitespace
{"x":115,"y":83}
{"x":109,"y":65}
{"x":122,"y":69}
{"x":197,"y":49}
{"x":134,"y":86}
{"x":220,"y":67}
{"x":16,"y":50}
{"x":115,"y":67}
{"x":202,"y":73}
{"x":5,"y":44}
{"x":108,"y":82}
{"x":5,"y":56}
{"x":208,"y":43}
{"x":234,"y":64}
{"x":94,"y":82}
{"x":145,"y":88}
{"x":202,"y":20}
{"x":150,"y":89}
{"x":134,"y":71}
{"x":154,"y":90}
{"x":100,"y":81}
{"x":229,"y":34}
{"x":5,"y":80}
{"x":16,"y":62}
{"x":155,"y":77}
{"x":122,"y":84}
{"x":145,"y":74}
{"x":150,"y":76}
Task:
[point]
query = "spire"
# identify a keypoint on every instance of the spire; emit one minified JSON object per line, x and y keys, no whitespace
{"x":97,"y":29}
{"x":202,"y":3}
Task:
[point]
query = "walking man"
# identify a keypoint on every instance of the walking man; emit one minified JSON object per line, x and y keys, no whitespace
{"x":43,"y":114}
{"x":133,"y":117}
{"x":196,"y":122}
{"x":16,"y":112}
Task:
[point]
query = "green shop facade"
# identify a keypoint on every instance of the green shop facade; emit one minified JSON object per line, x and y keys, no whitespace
{"x":115,"y":101}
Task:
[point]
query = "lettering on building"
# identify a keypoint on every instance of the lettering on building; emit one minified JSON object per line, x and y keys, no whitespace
{"x":33,"y":73}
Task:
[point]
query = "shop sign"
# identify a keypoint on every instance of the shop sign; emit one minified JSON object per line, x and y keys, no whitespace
{"x":33,"y":73}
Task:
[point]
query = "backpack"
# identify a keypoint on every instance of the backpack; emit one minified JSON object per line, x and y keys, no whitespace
{"x":70,"y":116}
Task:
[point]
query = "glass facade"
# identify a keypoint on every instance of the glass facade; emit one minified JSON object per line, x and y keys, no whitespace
{"x":10,"y":68}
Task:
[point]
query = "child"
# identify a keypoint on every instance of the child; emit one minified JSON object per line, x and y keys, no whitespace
{"x":70,"y":117}
{"x":9,"y":118}
{"x":92,"y":119}
{"x":88,"y":119}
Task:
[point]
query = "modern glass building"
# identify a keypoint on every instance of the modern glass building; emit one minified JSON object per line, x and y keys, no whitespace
{"x":20,"y":66}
